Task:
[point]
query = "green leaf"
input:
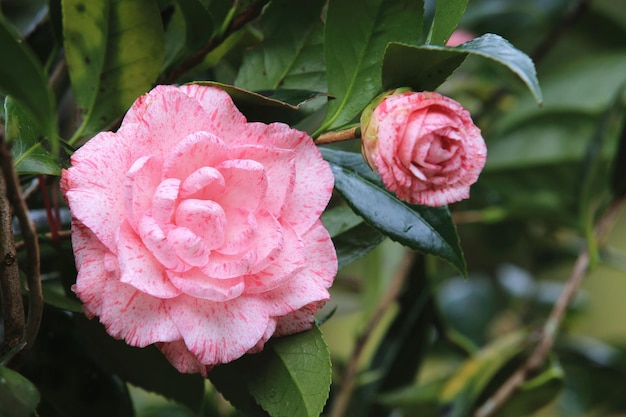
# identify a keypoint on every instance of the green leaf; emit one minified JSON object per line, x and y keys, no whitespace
{"x":22,"y":131}
{"x":276,"y":106}
{"x":130,"y":38}
{"x":355,"y":243}
{"x":357,"y":33}
{"x":291,"y":55}
{"x":85,"y":33}
{"x":24,"y":80}
{"x":448,"y":13}
{"x":290,"y":377}
{"x":199,"y":26}
{"x":427,"y":229}
{"x":444,"y":61}
{"x":464,"y":388}
{"x":18,"y":396}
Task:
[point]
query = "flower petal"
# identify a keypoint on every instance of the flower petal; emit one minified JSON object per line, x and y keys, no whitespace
{"x":280,"y":170}
{"x":92,"y":184}
{"x":138,"y":318}
{"x":142,"y":179}
{"x":164,"y":116}
{"x":205,"y":218}
{"x":246,"y":184}
{"x":182,"y":359}
{"x":188,"y":246}
{"x":219,"y":332}
{"x":155,"y":240}
{"x":93,"y":271}
{"x":139,"y":268}
{"x":221,"y":113}
{"x":197,"y":284}
{"x":194,"y":151}
{"x":164,"y":200}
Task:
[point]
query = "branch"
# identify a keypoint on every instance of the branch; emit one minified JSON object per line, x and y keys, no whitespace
{"x":550,"y":329}
{"x":338,"y":136}
{"x":248,"y":15}
{"x":10,"y":292}
{"x":31,"y":268}
{"x":342,"y":400}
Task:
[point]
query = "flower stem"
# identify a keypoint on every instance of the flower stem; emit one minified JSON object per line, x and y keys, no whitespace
{"x":339,"y":136}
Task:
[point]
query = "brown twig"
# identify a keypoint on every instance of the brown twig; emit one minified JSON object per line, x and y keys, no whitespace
{"x":341,"y":401}
{"x":247,"y":15}
{"x":338,"y":136}
{"x":31,"y":267}
{"x":13,"y":318}
{"x":550,"y":329}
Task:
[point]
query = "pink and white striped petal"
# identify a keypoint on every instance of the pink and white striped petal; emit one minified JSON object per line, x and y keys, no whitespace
{"x":205,"y":218}
{"x":280,"y":169}
{"x":246,"y":184}
{"x":182,"y":359}
{"x":219,"y":332}
{"x":189,"y":247}
{"x":142,"y":180}
{"x":164,"y":200}
{"x":139,"y":268}
{"x":196,"y":283}
{"x":206,"y":183}
{"x":138,"y":318}
{"x":192,"y":152}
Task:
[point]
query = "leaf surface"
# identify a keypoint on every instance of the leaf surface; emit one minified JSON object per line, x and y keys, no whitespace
{"x":427,"y":229}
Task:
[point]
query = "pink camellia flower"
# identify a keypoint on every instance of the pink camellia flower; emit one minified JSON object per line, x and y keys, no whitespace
{"x":424,"y":145}
{"x":197,"y":231}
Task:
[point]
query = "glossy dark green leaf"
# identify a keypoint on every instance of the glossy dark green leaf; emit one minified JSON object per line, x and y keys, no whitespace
{"x":427,"y":229}
{"x":272,"y":106}
{"x":24,"y":134}
{"x":24,"y":80}
{"x":402,"y":65}
{"x":291,"y":55}
{"x":18,"y":396}
{"x":290,"y":377}
{"x":357,"y":32}
{"x":117,"y":60}
{"x":459,"y":395}
{"x":448,"y":13}
{"x":355,"y":243}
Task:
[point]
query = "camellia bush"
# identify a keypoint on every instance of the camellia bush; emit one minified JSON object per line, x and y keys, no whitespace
{"x":304,"y":208}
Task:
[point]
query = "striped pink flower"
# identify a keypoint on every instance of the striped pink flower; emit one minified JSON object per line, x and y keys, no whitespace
{"x":197,"y":231}
{"x":424,"y":145}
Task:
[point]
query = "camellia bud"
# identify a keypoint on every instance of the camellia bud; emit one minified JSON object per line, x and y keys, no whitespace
{"x":425,"y":146}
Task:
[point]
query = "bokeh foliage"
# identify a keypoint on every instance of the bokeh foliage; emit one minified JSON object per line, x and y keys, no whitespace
{"x":487,"y":270}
